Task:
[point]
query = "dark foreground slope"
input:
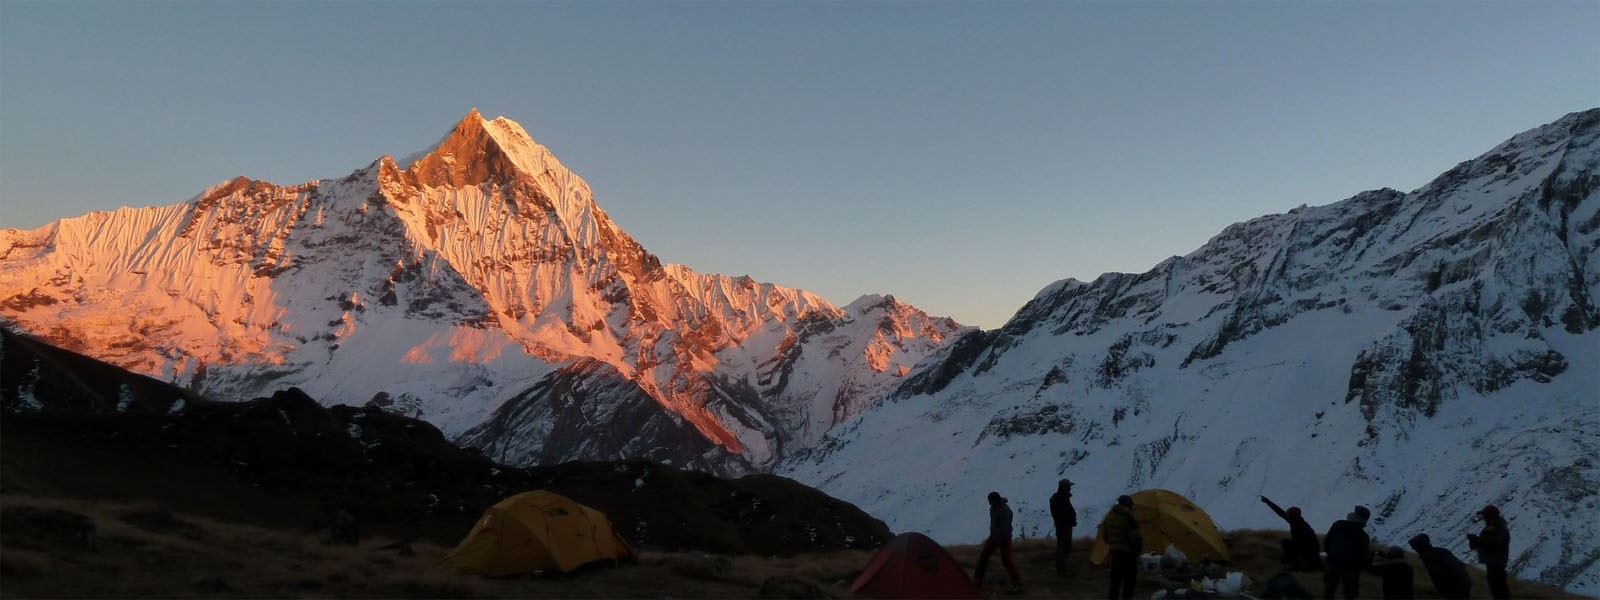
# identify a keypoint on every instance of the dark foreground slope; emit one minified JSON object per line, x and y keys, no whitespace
{"x":144,"y":552}
{"x":192,"y":498}
{"x":78,"y":428}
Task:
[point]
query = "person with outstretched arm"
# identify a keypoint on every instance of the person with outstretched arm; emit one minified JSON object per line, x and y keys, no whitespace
{"x":1301,"y":550}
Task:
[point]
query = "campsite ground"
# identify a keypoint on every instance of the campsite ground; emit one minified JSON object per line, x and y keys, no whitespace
{"x":144,"y":551}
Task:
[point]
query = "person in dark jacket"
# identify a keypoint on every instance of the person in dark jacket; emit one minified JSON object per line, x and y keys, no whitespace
{"x":1300,"y":551}
{"x":1448,"y":573}
{"x":1391,"y":565}
{"x":1120,"y":530}
{"x":1066,"y":518}
{"x":1494,"y":550}
{"x":999,"y":539}
{"x":1346,"y":544}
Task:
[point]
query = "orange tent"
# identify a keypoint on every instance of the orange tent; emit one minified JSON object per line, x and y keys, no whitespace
{"x":538,"y":531}
{"x":914,"y":566}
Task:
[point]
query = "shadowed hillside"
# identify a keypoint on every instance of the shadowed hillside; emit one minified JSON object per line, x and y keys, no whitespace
{"x":72,"y":430}
{"x":189,"y":497}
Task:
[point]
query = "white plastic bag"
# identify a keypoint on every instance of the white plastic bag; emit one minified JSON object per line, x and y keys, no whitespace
{"x":1174,"y":558}
{"x":1231,"y":585}
{"x":1150,"y":562}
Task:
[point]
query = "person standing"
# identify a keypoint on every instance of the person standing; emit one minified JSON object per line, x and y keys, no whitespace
{"x":999,"y":539}
{"x":1346,"y":544}
{"x":1494,"y":550}
{"x":1120,"y":530}
{"x":1300,"y":551}
{"x":1448,"y":573}
{"x":1066,"y":518}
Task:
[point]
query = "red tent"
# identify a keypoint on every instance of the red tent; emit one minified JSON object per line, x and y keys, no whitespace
{"x":913,"y":566}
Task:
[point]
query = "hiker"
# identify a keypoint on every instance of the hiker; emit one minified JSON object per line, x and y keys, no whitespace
{"x":1300,"y":551}
{"x":1121,"y":533}
{"x":1391,"y":565}
{"x":1346,"y":544}
{"x":1448,"y":573}
{"x":1066,"y":518}
{"x":1494,"y":549}
{"x":999,"y":539}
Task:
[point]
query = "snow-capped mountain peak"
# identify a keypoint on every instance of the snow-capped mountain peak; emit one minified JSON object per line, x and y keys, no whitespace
{"x":478,"y":150}
{"x":476,"y":285}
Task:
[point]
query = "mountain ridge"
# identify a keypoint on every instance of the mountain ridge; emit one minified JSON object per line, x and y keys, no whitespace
{"x":1423,"y":353}
{"x":449,"y":287}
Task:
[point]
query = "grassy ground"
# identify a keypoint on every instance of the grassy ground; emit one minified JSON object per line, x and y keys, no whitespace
{"x":144,"y":551}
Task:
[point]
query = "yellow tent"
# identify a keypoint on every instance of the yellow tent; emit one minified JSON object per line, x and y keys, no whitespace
{"x":535,"y":531}
{"x":1166,"y":518}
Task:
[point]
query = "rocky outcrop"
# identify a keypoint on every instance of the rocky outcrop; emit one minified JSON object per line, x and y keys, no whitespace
{"x":550,"y":423}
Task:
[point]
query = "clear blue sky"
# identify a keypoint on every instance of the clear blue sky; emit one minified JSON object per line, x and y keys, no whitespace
{"x":957,"y":155}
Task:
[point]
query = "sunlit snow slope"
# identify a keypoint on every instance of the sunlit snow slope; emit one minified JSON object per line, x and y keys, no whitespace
{"x":1423,"y":354}
{"x":479,"y":287}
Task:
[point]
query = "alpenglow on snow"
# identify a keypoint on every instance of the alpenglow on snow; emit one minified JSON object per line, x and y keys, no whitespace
{"x":1422,"y":353}
{"x":477,"y":286}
